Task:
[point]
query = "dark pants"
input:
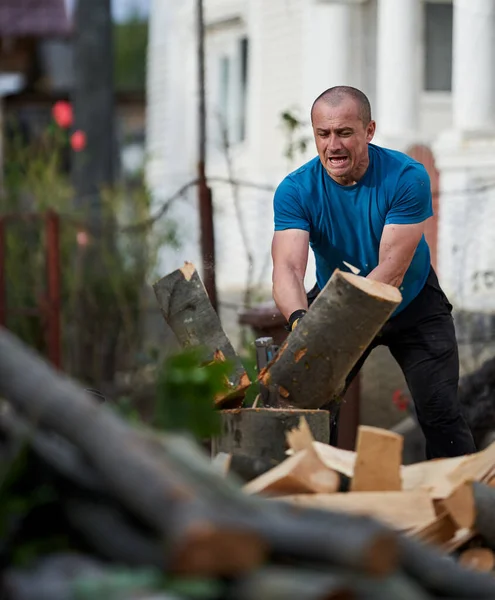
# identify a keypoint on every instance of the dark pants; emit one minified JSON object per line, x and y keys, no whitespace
{"x":422,"y":340}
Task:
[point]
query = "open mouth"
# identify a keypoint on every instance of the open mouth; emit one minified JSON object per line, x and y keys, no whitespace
{"x":338,"y":161}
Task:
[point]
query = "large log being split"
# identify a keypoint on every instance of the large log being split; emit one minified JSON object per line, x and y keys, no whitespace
{"x":311,"y":366}
{"x":186,"y":308}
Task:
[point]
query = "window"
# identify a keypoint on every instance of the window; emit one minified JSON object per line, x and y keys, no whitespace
{"x":231,"y":105}
{"x":438,"y":47}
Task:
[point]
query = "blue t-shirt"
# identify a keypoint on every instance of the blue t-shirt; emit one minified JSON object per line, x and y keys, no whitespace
{"x":345,"y":223}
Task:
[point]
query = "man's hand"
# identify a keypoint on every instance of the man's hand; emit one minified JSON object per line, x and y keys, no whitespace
{"x":397,"y":247}
{"x":290,"y":257}
{"x":295,"y":317}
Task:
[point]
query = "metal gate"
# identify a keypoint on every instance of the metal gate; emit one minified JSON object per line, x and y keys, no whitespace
{"x":49,"y":306}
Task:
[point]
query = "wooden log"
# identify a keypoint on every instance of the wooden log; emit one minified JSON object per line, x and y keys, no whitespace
{"x":378,"y":460}
{"x":484,"y":503}
{"x":303,"y":473}
{"x":312,"y":364}
{"x":209,"y":527}
{"x":284,"y":583}
{"x":442,"y":576}
{"x":261,"y":432}
{"x":478,"y":559}
{"x":187,"y":310}
{"x":400,"y":510}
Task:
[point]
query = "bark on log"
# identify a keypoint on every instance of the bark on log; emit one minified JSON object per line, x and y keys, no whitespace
{"x":283,"y":583}
{"x":186,"y":308}
{"x":484,"y":504}
{"x":311,"y":366}
{"x":261,"y":432}
{"x":441,"y":575}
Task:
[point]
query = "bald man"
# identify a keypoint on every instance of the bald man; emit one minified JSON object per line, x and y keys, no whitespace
{"x":363,"y":205}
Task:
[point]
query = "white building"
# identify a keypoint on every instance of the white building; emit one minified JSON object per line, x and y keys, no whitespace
{"x":427,"y":66}
{"x":428,"y":69}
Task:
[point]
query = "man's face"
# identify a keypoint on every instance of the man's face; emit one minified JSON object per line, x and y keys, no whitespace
{"x":342,"y":140}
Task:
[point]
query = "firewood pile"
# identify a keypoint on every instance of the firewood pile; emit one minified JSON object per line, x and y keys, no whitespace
{"x":446,"y":503}
{"x":130,"y":513}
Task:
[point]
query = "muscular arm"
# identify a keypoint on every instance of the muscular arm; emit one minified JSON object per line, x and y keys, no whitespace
{"x":397,"y":246}
{"x":290,"y":258}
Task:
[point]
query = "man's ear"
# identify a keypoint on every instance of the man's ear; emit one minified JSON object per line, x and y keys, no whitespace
{"x":370,"y":131}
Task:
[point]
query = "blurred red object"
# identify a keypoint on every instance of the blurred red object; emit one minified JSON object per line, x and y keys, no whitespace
{"x":78,"y":140}
{"x":62,"y":113}
{"x":400,"y":400}
{"x":82,"y":238}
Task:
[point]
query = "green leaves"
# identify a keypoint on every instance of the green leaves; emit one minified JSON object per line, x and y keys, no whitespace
{"x":186,"y":388}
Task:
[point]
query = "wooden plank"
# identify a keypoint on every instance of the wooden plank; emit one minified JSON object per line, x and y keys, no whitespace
{"x":301,"y":473}
{"x":186,"y":308}
{"x":378,"y":461}
{"x":401,"y":510}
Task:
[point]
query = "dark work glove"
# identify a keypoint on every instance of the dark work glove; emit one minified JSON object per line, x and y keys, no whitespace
{"x":295,"y":317}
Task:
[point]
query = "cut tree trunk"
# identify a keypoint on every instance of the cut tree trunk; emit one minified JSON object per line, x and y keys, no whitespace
{"x":311,"y":367}
{"x":261,"y":432}
{"x":186,"y":308}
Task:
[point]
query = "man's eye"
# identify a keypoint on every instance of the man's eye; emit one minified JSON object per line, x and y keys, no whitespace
{"x":346,"y":134}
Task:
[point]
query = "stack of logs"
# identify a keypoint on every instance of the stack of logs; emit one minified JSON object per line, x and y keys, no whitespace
{"x":155,"y":504}
{"x":134,"y":513}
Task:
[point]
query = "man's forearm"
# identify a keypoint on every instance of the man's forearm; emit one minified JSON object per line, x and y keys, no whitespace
{"x":388,"y":273}
{"x":289,"y":293}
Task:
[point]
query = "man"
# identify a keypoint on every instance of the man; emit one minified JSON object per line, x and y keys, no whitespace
{"x":362,"y":205}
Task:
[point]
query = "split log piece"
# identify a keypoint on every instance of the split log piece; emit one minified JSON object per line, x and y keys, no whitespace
{"x":438,"y":531}
{"x":187,"y":310}
{"x":461,"y":506}
{"x":478,"y":559}
{"x":261,"y":432}
{"x":339,"y":460}
{"x":475,"y":467}
{"x":400,"y":510}
{"x":302,"y":473}
{"x":432,"y":475}
{"x":378,"y":460}
{"x":312,"y":364}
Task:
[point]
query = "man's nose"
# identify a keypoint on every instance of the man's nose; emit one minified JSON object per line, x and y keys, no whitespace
{"x":334,"y":143}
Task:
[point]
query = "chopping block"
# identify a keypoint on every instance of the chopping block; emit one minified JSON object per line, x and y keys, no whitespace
{"x":261,"y":432}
